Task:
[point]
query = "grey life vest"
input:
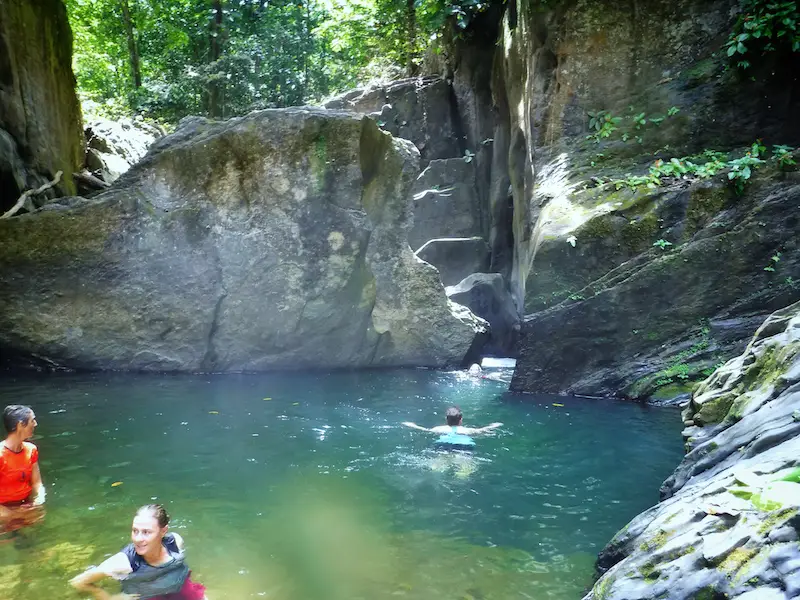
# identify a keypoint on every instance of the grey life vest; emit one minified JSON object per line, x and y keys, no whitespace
{"x":148,"y":581}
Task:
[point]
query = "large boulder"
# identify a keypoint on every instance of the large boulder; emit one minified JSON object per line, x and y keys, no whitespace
{"x":728,"y":524}
{"x":40,"y":118}
{"x":487,"y":296}
{"x":276,"y":240}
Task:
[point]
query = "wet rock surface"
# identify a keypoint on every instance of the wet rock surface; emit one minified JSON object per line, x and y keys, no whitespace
{"x":727,"y":526}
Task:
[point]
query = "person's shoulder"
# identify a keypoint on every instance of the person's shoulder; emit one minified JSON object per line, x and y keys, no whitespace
{"x":30,"y":449}
{"x":176,"y":538}
{"x":441,"y":429}
{"x":117,"y":566}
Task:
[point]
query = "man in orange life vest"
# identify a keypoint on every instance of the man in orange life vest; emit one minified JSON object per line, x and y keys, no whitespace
{"x":21,"y":488}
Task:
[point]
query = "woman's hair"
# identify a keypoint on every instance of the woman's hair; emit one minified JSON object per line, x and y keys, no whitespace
{"x":14,"y":414}
{"x":158,"y":512}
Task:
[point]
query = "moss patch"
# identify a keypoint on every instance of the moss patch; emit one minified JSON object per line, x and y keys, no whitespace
{"x":715,"y":410}
{"x":772,"y":363}
{"x":639,"y":234}
{"x":776,"y":519}
{"x":656,"y":542}
{"x":704,"y":204}
{"x":736,"y":560}
{"x":603,"y":587}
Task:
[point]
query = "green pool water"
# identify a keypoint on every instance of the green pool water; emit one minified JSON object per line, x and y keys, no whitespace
{"x":306,"y":486}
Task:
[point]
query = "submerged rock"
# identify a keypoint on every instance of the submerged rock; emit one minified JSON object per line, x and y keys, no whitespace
{"x":728,"y":524}
{"x":276,"y":240}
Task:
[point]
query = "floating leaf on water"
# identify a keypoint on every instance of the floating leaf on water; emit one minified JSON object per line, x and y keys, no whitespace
{"x":295,"y":404}
{"x":116,"y":483}
{"x":120,"y":464}
{"x":213,"y":412}
{"x":557,"y":404}
{"x":267,"y":398}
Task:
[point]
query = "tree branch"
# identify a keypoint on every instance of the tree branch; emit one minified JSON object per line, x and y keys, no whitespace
{"x":25,"y":196}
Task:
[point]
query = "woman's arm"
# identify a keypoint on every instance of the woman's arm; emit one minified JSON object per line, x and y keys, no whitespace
{"x":116,"y":566}
{"x":85,"y":583}
{"x":37,"y":493}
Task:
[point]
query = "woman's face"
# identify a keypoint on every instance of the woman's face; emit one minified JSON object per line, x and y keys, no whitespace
{"x":27,"y":429}
{"x":146,"y":534}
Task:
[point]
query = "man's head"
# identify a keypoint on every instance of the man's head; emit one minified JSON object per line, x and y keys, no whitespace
{"x":18,"y":416}
{"x":453,"y":416}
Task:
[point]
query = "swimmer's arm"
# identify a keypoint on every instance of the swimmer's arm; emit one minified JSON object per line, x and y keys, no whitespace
{"x":85,"y":583}
{"x":477,"y":430}
{"x":37,"y":493}
{"x":415,"y":426}
{"x":116,"y":566}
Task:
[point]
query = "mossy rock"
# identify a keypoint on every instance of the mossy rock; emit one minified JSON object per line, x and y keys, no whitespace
{"x":714,"y":410}
{"x":705,"y":202}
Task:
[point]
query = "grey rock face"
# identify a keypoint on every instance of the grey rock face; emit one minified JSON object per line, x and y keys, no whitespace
{"x":446,"y":204}
{"x":728,"y":524}
{"x":487,"y":296}
{"x":418,"y":109}
{"x":276,"y":240}
{"x":456,"y":258}
{"x":664,"y":315}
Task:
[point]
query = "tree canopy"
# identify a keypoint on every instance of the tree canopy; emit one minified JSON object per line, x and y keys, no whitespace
{"x":171,"y":58}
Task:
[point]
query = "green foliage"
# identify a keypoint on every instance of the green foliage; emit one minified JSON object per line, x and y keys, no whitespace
{"x":740,"y":170}
{"x":765,"y":26}
{"x":775,"y":259}
{"x":783,"y":156}
{"x":224,"y":57}
{"x":662,"y":243}
{"x":677,"y":368}
{"x":604,"y":125}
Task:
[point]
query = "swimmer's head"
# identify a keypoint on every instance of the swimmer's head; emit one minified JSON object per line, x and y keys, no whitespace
{"x":453,"y":416}
{"x":474,"y":370}
{"x":18,"y":416}
{"x":149,"y":528}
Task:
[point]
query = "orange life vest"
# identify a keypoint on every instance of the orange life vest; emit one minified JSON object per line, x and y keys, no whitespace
{"x":16,"y":472}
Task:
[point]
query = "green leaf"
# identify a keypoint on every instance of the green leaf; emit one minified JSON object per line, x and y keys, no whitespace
{"x":741,"y":48}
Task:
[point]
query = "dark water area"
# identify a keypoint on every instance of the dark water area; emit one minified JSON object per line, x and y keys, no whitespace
{"x":306,"y":486}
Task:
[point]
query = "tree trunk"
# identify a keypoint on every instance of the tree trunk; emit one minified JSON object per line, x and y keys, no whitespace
{"x":133,"y":47}
{"x":216,"y":45}
{"x":411,"y":20}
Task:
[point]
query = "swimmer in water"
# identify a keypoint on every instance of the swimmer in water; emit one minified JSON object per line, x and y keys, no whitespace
{"x":21,"y":489}
{"x":456,"y":442}
{"x":151,"y":567}
{"x":454,"y":436}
